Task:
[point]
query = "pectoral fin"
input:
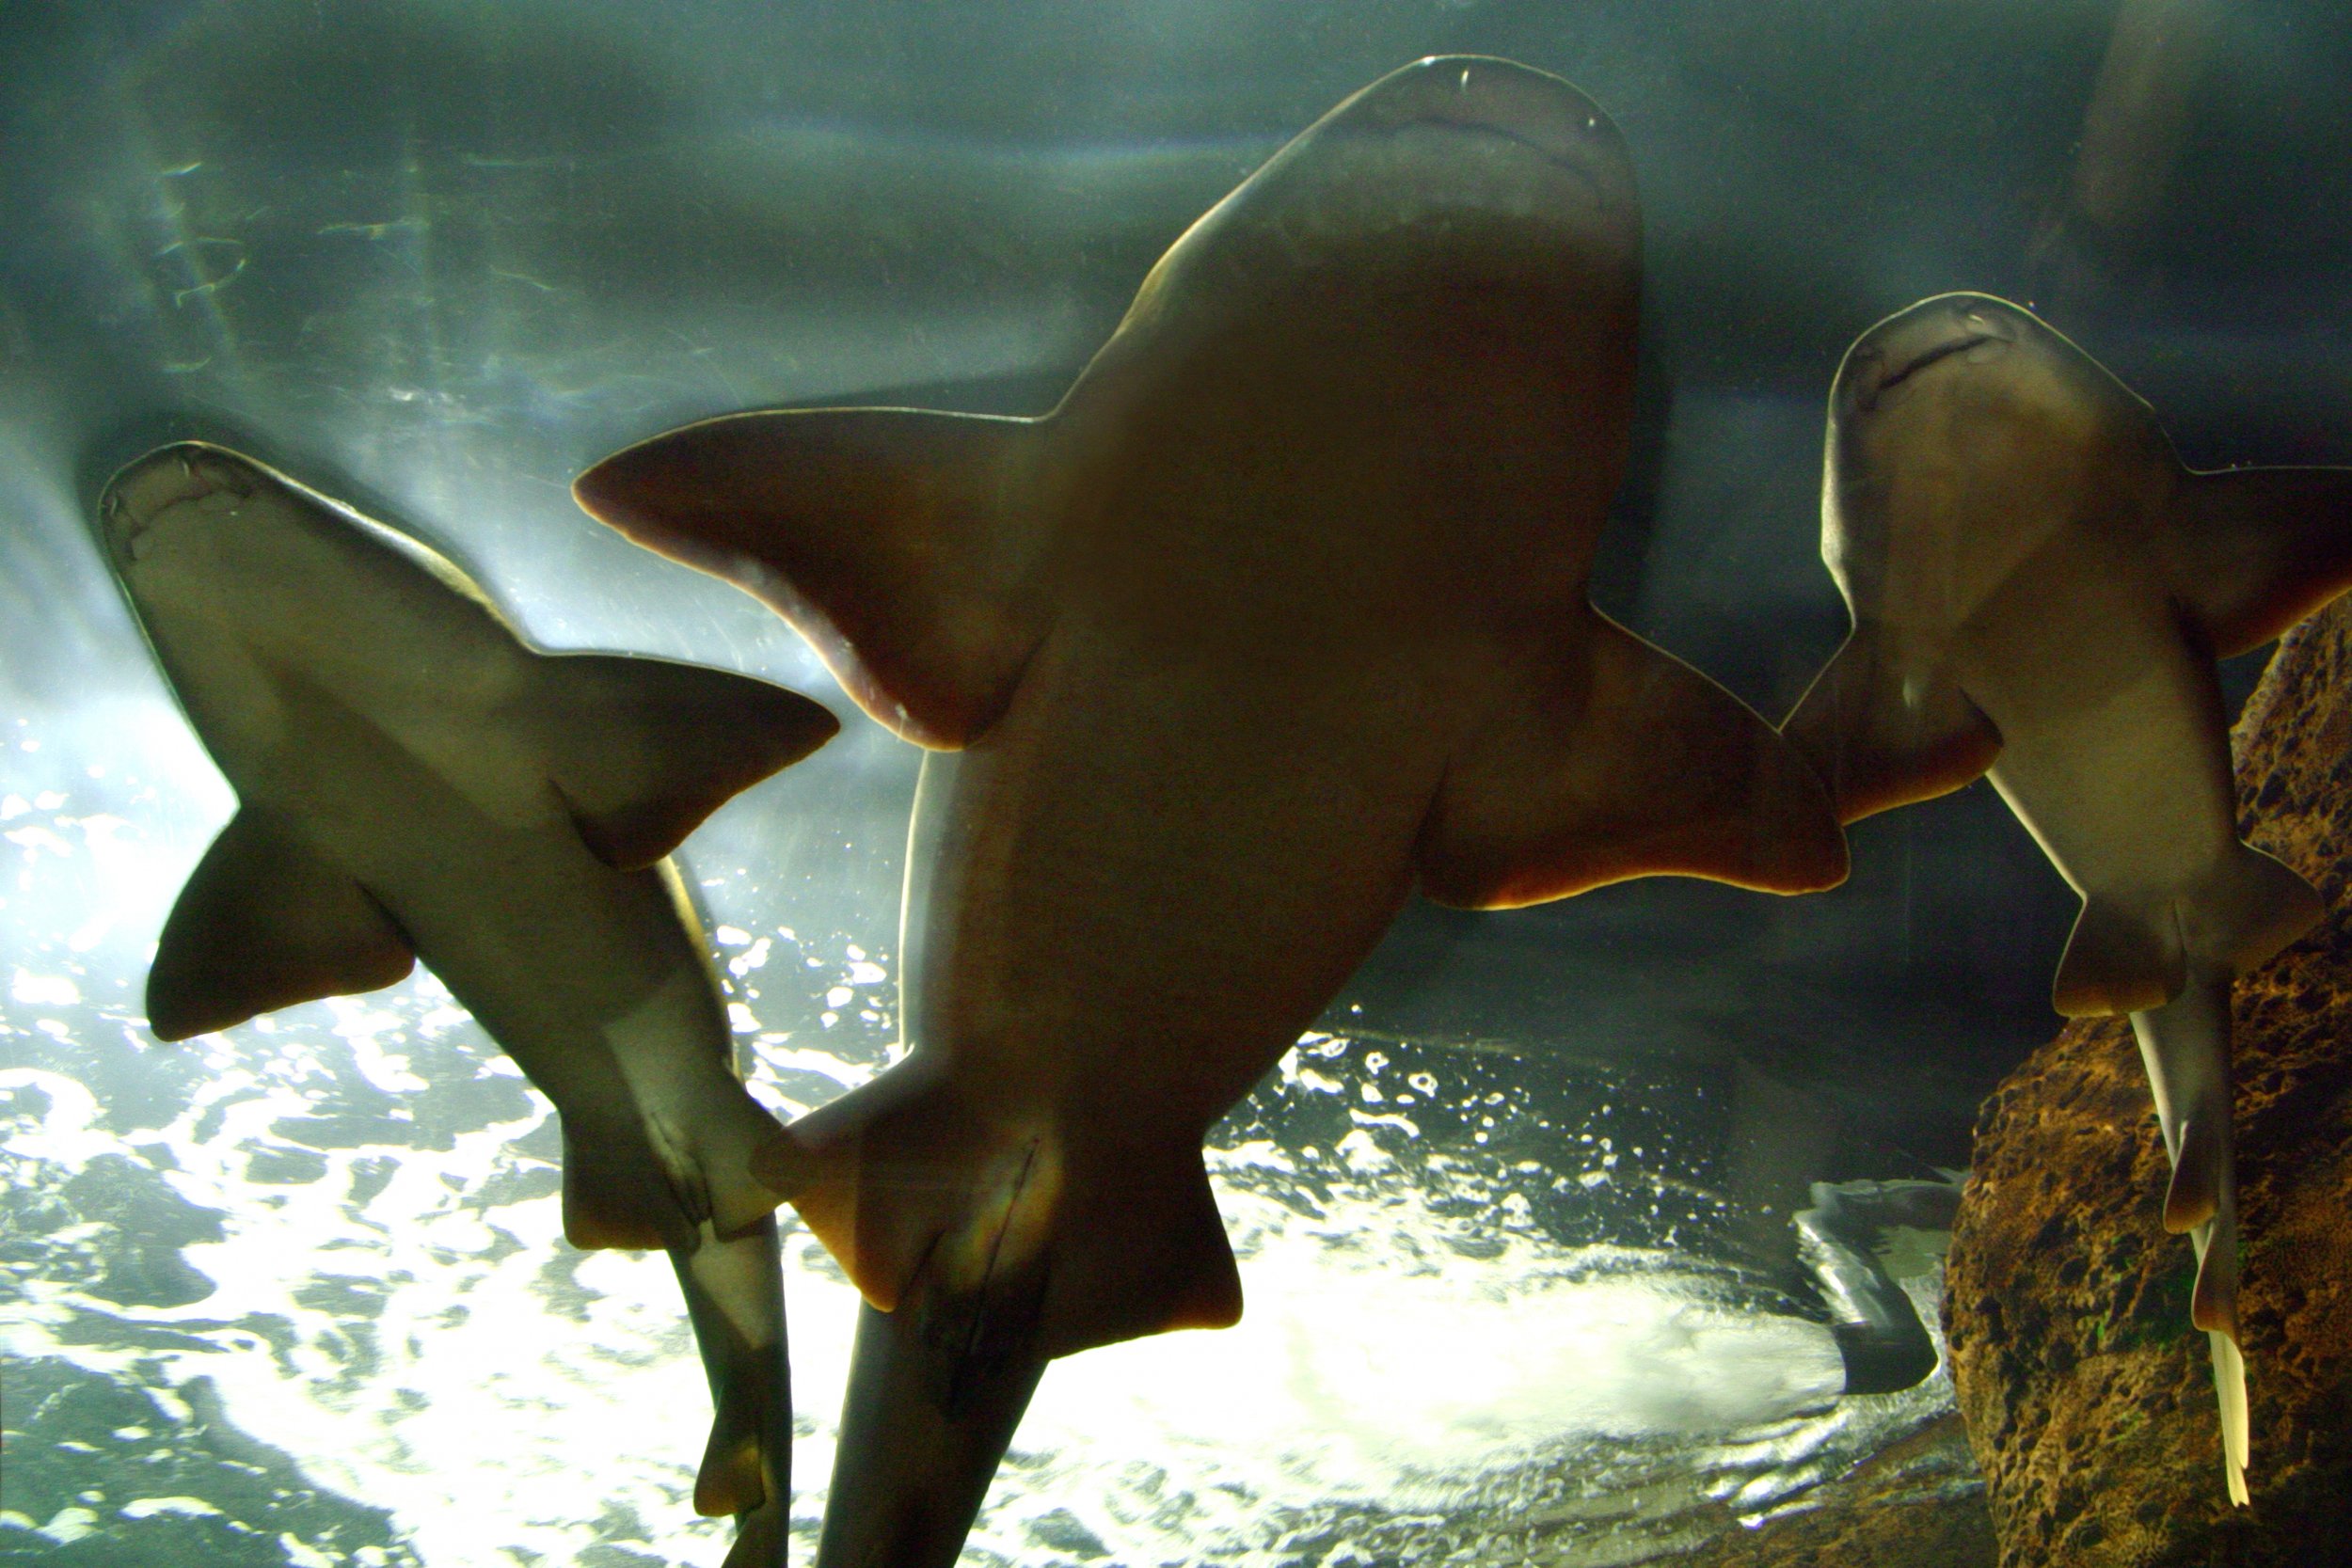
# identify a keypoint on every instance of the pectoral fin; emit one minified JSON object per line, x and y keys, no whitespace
{"x":265,"y":922}
{"x":1622,"y":761}
{"x":2251,"y":551}
{"x":899,"y":542}
{"x":1881,"y":736}
{"x":644,"y":749}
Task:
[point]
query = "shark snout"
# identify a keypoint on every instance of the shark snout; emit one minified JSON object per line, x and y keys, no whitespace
{"x":1967,"y":328}
{"x":1495,"y":97}
{"x":185,"y":474}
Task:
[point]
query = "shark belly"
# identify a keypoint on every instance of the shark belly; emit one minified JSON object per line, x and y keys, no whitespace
{"x":589,"y":978}
{"x":2122,"y":774}
{"x":1270,"y":828}
{"x":1131,"y":898}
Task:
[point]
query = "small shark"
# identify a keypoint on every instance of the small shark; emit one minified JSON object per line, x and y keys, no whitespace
{"x":2039,"y":588}
{"x":1279,"y":614}
{"x":416,"y":782}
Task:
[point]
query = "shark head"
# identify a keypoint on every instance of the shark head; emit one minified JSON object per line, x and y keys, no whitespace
{"x":168,"y":503}
{"x":1980,"y":403}
{"x":1455,"y":185}
{"x":1971,"y":369}
{"x":206,"y":535}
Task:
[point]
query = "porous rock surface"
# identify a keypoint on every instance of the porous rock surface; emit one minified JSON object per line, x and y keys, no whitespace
{"x":2088,"y":1397}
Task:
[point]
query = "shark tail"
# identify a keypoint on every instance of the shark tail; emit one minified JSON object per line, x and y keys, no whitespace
{"x":2184,"y":1046}
{"x":983,"y":1249}
{"x":2228,"y":1381}
{"x":734,"y":1289}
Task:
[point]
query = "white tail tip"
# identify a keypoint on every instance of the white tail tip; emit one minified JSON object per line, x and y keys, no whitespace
{"x":2228,"y":1381}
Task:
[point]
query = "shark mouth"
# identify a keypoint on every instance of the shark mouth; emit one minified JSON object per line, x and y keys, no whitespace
{"x":1940,"y":351}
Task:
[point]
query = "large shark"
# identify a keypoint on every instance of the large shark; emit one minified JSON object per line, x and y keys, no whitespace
{"x":415,"y":782}
{"x":2039,"y":588}
{"x":1277,"y":615}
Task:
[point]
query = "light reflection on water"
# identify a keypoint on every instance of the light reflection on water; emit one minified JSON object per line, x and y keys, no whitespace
{"x":318,"y":1263}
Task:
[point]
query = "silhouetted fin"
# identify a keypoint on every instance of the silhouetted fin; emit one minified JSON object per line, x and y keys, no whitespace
{"x":912,"y":1182}
{"x":2194,"y":1190}
{"x":264,"y":923}
{"x":2252,"y":910}
{"x":734,"y":1290}
{"x":1632,"y":764}
{"x":644,"y":749}
{"x":1883,"y":1345}
{"x":894,"y":539}
{"x":604,"y":1199}
{"x":2120,"y":961}
{"x":1881,"y":737}
{"x":2185,"y":1049}
{"x":2251,"y":551}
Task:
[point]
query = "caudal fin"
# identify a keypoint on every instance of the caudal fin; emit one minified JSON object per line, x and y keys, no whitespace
{"x":2214,"y":1307}
{"x":2229,"y":1381}
{"x":734,"y":1289}
{"x":2184,"y":1046}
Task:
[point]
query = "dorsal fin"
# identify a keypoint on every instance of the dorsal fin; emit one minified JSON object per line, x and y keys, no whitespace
{"x":1625,"y":762}
{"x":265,"y":922}
{"x":2251,"y":551}
{"x":901,"y":542}
{"x":644,"y":748}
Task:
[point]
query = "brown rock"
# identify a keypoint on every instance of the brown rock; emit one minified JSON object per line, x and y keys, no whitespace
{"x":2088,"y":1396}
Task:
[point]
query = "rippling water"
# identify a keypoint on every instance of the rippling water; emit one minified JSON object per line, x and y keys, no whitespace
{"x":297,"y":1293}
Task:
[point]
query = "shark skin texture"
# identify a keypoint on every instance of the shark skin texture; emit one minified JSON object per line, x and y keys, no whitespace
{"x":1278,"y":616}
{"x":415,"y":782}
{"x":2039,"y":591}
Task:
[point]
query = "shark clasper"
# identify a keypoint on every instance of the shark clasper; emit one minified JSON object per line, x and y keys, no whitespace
{"x":1279,"y":614}
{"x":2039,"y":588}
{"x":415,"y":782}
